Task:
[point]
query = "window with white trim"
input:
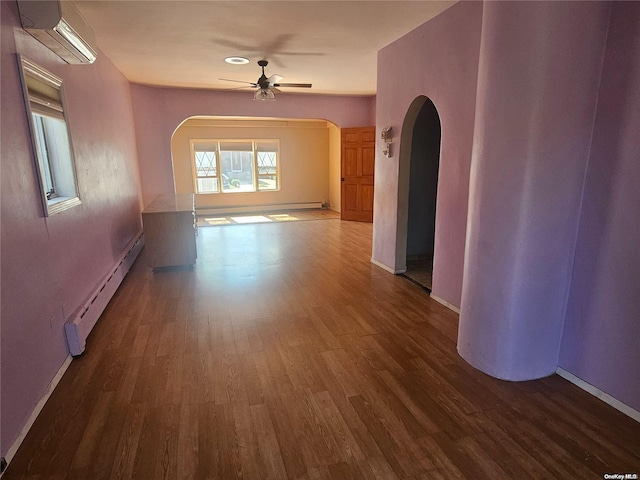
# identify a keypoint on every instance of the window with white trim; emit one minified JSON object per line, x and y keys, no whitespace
{"x":50,"y":138}
{"x":233,"y":166}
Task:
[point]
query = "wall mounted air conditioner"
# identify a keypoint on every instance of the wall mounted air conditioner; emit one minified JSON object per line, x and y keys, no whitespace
{"x":58,"y":25}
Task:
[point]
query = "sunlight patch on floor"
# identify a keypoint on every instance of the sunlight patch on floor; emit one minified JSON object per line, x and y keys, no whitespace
{"x":218,"y":221}
{"x":268,"y":217}
{"x":283,"y":218}
{"x":251,"y":219}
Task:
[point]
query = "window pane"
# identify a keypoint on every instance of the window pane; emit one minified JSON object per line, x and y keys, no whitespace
{"x":43,"y":155}
{"x":206,"y":164}
{"x":267,"y":163}
{"x":52,"y":142}
{"x":237,"y":168}
{"x":208,"y":185}
{"x":268,"y":182}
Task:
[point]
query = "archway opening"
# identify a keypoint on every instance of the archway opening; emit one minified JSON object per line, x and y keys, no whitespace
{"x":303,"y":173}
{"x":424,"y":164}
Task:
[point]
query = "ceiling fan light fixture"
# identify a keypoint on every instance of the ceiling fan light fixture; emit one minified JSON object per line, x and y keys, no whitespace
{"x":237,"y":60}
{"x":264,"y":95}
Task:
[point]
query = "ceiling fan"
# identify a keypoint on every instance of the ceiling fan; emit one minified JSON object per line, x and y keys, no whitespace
{"x":266,"y":87}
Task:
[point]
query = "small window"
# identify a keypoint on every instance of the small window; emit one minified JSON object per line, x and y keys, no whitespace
{"x":233,"y":166}
{"x":50,"y":138}
{"x":205,"y":156}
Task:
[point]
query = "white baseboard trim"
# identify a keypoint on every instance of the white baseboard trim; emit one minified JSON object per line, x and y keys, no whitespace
{"x":388,"y":269}
{"x":596,"y":392}
{"x":445,"y":303}
{"x":36,"y":410}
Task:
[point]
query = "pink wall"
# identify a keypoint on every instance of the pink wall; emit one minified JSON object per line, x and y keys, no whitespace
{"x":159,"y":111}
{"x":439,"y":60}
{"x":538,"y":81}
{"x":530,"y":107}
{"x":49,"y":265}
{"x":602,"y":327}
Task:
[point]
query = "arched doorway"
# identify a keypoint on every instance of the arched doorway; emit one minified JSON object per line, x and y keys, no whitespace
{"x":300,"y":185}
{"x":423,"y":130}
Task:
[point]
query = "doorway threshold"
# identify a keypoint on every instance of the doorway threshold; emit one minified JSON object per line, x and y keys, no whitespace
{"x":420,"y":271}
{"x":416,"y":282}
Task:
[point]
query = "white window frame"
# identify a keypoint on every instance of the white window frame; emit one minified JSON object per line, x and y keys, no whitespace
{"x":50,"y":138}
{"x":256,"y":174}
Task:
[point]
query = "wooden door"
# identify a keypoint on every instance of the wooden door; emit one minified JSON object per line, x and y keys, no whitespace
{"x":357,"y":169}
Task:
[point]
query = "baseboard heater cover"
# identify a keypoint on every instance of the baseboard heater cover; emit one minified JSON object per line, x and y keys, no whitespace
{"x":225,"y":210}
{"x":79,"y":325}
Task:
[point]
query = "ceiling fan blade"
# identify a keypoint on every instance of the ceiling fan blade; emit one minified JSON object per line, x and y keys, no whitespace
{"x":273,"y":79}
{"x":237,"y":88}
{"x":298,"y":85}
{"x":238,"y":81}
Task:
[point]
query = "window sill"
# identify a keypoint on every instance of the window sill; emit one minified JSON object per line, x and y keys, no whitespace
{"x":60,"y":204}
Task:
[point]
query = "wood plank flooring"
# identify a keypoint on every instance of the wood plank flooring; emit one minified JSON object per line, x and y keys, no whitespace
{"x":285,"y":354}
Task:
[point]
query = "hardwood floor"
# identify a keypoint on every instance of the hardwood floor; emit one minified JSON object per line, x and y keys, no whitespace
{"x":285,"y":354}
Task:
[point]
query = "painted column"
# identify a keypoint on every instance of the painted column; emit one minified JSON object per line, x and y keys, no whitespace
{"x":538,"y":80}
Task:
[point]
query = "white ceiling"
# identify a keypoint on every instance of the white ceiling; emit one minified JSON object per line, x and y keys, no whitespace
{"x":331,"y":44}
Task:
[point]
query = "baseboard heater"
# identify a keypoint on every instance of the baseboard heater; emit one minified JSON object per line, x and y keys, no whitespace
{"x":79,"y":325}
{"x":226,"y":210}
